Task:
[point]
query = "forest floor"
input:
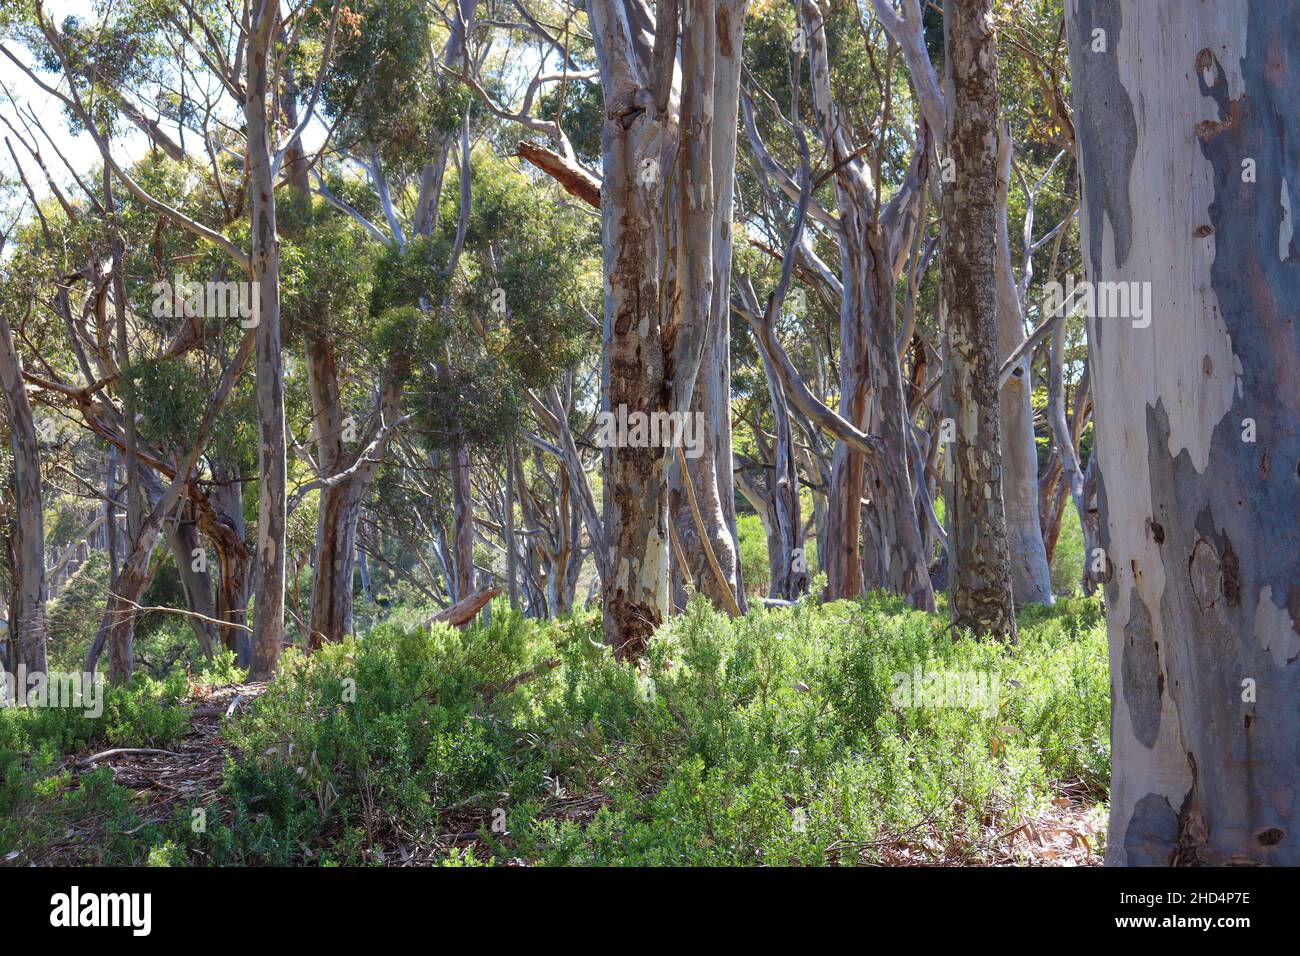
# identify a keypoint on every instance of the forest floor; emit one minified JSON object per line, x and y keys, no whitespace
{"x":1065,"y":833}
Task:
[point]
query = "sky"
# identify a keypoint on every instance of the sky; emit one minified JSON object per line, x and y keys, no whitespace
{"x":79,"y":149}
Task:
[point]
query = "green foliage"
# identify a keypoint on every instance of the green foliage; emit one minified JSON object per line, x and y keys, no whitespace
{"x":42,"y":804}
{"x":72,"y":618}
{"x":382,"y":82}
{"x":778,"y":738}
{"x":174,"y":396}
{"x":1068,"y":558}
{"x":325,"y":286}
{"x":412,"y":276}
{"x":753,"y":552}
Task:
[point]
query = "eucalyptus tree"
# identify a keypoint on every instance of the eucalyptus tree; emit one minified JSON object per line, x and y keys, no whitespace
{"x":26,"y":618}
{"x":239,"y":55}
{"x":981,"y":560}
{"x":1187,"y":117}
{"x":663,"y":172}
{"x":871,"y":237}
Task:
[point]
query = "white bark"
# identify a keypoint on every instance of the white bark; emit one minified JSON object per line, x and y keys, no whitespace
{"x":1199,"y":526}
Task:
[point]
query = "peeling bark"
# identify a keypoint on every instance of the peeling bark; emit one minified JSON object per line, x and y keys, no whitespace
{"x":981,"y":566}
{"x":268,"y":616}
{"x":635,"y":355}
{"x":1198,"y":525}
{"x":27,"y":600}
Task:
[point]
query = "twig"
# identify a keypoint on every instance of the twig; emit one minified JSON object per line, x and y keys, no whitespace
{"x":117,"y":751}
{"x":513,"y":683}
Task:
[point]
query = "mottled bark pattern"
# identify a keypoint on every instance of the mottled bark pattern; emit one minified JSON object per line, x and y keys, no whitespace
{"x":981,"y":588}
{"x":1199,"y":523}
{"x":268,"y":612}
{"x":27,"y":602}
{"x":633,"y":373}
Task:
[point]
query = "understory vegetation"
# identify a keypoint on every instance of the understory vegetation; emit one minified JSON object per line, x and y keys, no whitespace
{"x":778,"y":738}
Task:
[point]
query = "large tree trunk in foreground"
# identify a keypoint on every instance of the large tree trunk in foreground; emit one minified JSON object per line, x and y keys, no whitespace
{"x":1196,"y":418}
{"x":981,"y":567}
{"x":268,"y":612}
{"x":27,"y":601}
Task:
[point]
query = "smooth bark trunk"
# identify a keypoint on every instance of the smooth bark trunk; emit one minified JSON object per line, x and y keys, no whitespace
{"x":1031,"y":576}
{"x":1187,"y":116}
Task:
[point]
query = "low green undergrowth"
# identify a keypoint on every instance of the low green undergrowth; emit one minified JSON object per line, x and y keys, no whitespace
{"x":806,"y":735}
{"x":41,"y":808}
{"x":781,"y":737}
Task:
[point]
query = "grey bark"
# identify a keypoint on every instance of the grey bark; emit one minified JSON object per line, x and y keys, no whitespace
{"x":27,"y":598}
{"x":711,"y":473}
{"x":268,"y":617}
{"x":1198,"y":522}
{"x":1031,"y":577}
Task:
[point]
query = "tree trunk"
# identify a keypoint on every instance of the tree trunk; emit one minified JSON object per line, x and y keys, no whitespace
{"x":843,"y":555}
{"x":27,"y":600}
{"x":336,"y":517}
{"x":462,"y":504}
{"x":633,"y":368}
{"x":904,"y":563}
{"x":268,"y":617}
{"x":1031,"y":576}
{"x":1187,"y":119}
{"x":786,"y":560}
{"x":224,"y":526}
{"x":711,"y":473}
{"x":511,"y":540}
{"x":184,"y":540}
{"x":981,"y":566}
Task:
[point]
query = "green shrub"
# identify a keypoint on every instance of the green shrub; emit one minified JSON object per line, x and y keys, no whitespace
{"x":40,"y":804}
{"x":805,"y":735}
{"x":776,"y":738}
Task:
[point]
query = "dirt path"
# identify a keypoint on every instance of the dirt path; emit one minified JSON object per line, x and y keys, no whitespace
{"x":190,"y":770}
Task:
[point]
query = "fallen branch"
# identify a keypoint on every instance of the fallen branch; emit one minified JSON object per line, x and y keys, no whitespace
{"x":733,"y":607}
{"x":465,"y":610}
{"x":515,"y":682}
{"x":118,"y":751}
{"x":177,"y":611}
{"x":575,"y":180}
